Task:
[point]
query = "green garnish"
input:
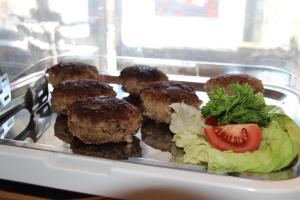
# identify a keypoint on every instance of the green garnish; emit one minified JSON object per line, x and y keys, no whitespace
{"x":242,"y":107}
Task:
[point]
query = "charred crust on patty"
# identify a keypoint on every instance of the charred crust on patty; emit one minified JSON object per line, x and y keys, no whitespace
{"x":105,"y":109}
{"x":84,"y":88}
{"x":135,"y":78}
{"x":157,"y":97}
{"x":102,"y":119}
{"x":225,"y":80}
{"x":71,"y":71}
{"x":143,"y":73}
{"x":71,"y":67}
{"x":69,"y":91}
{"x":171,"y":92}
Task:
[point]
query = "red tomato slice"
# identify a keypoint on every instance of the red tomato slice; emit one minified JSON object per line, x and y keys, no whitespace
{"x":236,"y":137}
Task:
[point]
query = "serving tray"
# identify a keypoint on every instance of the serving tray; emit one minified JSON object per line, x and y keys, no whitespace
{"x":45,"y":131}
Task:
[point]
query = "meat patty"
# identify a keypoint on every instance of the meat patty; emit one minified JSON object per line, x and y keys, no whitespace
{"x":67,"y":92}
{"x":61,"y":129}
{"x":71,"y":71}
{"x":135,"y":78}
{"x":157,"y":135}
{"x":103,"y":119}
{"x":225,"y":80}
{"x":110,"y":150}
{"x":157,"y":97}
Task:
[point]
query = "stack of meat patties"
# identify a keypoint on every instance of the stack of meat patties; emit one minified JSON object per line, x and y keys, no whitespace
{"x":96,"y":116}
{"x":156,"y":92}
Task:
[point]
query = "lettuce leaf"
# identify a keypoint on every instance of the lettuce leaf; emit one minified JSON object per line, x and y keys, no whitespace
{"x":242,"y":107}
{"x":279,"y":146}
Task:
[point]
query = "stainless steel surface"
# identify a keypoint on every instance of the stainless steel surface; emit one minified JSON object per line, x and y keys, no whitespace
{"x":5,"y":92}
{"x":48,"y":131}
{"x":29,"y":93}
{"x":19,"y":122}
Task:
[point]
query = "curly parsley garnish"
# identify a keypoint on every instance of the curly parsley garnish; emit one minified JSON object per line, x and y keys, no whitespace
{"x":242,"y":107}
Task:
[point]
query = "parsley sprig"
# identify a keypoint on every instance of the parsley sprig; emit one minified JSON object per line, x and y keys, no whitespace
{"x":242,"y":107}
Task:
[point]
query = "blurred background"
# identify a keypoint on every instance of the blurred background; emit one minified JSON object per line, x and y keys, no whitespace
{"x":245,"y":32}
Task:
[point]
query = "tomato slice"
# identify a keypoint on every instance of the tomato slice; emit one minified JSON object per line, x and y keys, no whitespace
{"x":236,"y":137}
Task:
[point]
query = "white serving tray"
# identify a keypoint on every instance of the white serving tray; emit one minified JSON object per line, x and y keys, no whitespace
{"x":31,"y":152}
{"x":122,"y":179}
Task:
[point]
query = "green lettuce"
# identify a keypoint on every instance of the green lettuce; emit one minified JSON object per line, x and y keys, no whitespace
{"x":280,"y":144}
{"x":242,"y":107}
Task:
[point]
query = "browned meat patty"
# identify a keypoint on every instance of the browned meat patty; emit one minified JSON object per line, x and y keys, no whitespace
{"x":61,"y":129}
{"x":67,"y":92}
{"x":157,"y":98}
{"x":109,"y":150}
{"x":135,"y":78}
{"x":225,"y":80}
{"x":103,"y":119}
{"x":157,"y":135}
{"x":71,"y":71}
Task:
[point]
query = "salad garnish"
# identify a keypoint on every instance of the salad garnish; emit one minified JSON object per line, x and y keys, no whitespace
{"x":236,"y":132}
{"x":243,"y":107}
{"x":238,"y":137}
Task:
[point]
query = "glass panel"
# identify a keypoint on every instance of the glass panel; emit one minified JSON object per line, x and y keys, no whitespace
{"x":245,"y":32}
{"x":250,"y":32}
{"x":31,"y":30}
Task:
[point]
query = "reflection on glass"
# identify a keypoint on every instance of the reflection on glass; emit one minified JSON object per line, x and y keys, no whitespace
{"x":40,"y":121}
{"x":43,"y":12}
{"x":258,"y":32}
{"x":115,"y":151}
{"x":15,"y":125}
{"x":6,"y":126}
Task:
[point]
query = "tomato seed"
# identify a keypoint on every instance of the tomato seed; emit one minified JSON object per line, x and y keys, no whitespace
{"x":232,"y":139}
{"x":217,"y":130}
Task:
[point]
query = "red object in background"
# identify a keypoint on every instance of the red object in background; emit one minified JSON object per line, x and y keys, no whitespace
{"x":187,"y":8}
{"x":211,"y":7}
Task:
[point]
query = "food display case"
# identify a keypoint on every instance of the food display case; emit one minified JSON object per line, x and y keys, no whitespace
{"x":190,"y":41}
